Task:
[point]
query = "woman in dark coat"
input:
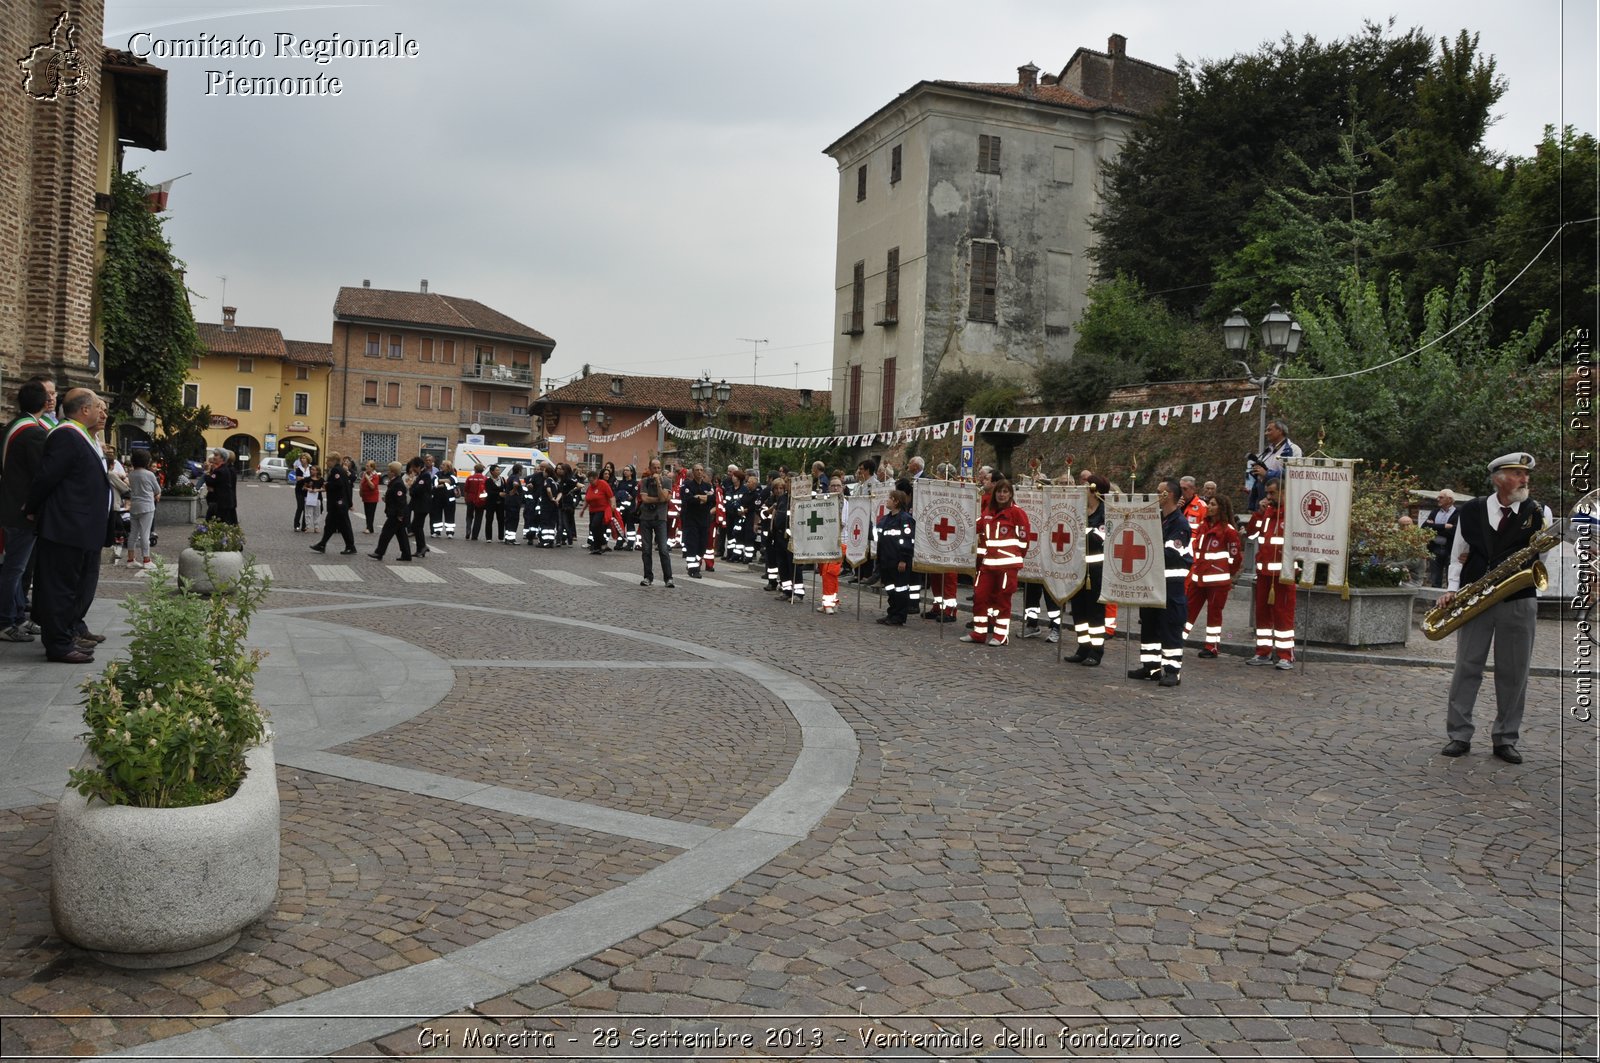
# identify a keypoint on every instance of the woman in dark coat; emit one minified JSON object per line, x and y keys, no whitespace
{"x":421,"y":505}
{"x":395,"y":504}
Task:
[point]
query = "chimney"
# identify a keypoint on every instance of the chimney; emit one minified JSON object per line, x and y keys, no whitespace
{"x":1117,"y":46}
{"x":1027,"y":77}
{"x":228,"y":313}
{"x":616,"y":385}
{"x":366,"y":284}
{"x":805,"y":398}
{"x":424,"y":286}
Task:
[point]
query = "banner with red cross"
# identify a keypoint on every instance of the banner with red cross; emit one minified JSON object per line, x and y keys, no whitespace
{"x":1135,"y":569}
{"x":1061,"y":540}
{"x":1316,"y":517}
{"x":856,"y":528}
{"x":946,"y":513}
{"x":1031,"y":501}
{"x":814,"y":529}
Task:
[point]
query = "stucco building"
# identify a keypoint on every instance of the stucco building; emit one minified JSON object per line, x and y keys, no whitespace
{"x":416,"y":372}
{"x":267,"y":395}
{"x":624,"y":402}
{"x":964,"y":213}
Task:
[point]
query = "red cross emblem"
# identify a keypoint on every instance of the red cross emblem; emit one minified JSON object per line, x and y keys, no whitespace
{"x":1061,"y":538}
{"x":1127,"y":552}
{"x":1314,"y":507}
{"x":944,"y":528}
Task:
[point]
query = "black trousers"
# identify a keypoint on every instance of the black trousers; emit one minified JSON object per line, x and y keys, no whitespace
{"x":491,"y":520}
{"x":338,"y":521}
{"x":653,"y":533}
{"x":475,"y":522}
{"x":64,"y":588}
{"x":419,"y":530}
{"x":372,"y":512}
{"x":394,"y":528}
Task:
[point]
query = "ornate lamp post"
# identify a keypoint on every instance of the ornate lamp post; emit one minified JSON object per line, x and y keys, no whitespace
{"x":1280,"y":338}
{"x":709,"y":401}
{"x":599,"y":418}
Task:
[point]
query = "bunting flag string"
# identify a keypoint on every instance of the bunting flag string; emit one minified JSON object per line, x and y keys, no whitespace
{"x":1198,"y":412}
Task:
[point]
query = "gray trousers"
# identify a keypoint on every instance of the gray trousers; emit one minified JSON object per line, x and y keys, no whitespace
{"x":1509,"y":627}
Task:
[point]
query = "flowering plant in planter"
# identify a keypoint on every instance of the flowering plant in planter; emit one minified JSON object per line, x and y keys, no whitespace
{"x":1382,"y":551}
{"x":217,"y":537}
{"x":170,"y":726}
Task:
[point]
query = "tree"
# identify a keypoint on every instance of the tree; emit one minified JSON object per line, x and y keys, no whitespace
{"x":816,"y":422}
{"x":1180,"y":192}
{"x":1445,"y":409}
{"x":951,"y":393}
{"x":1558,"y":184}
{"x":149,"y":332}
{"x":1445,"y":186}
{"x":1305,"y":234}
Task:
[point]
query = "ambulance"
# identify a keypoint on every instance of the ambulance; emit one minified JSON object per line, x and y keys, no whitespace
{"x":489,"y":455}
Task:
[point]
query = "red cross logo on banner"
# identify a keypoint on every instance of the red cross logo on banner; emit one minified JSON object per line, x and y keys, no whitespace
{"x":1314,"y":507}
{"x":944,"y":528}
{"x":855,"y":531}
{"x":1128,"y":552}
{"x":1061,"y":538}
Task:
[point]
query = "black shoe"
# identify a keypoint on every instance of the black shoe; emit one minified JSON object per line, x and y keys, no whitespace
{"x":1208,"y":652}
{"x":1459,"y":749}
{"x":646,"y":582}
{"x":1170,"y":677}
{"x":319,"y":548}
{"x":694,"y":575}
{"x":1092,"y":661}
{"x":1141,"y":673}
{"x":349,"y":551}
{"x":403,"y":557}
{"x":1077,"y":658}
{"x":669,"y":583}
{"x":376,"y":557}
{"x":1508,"y":754}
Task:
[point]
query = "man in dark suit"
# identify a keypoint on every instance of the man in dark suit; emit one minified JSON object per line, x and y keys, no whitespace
{"x":69,"y":503}
{"x":338,"y":490}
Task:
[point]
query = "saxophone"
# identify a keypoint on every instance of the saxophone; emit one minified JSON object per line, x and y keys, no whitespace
{"x":1505,"y":579}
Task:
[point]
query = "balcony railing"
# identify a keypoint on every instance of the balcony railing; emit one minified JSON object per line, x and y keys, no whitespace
{"x":513,"y":422}
{"x":513,"y":375}
{"x":886,"y":313}
{"x":855,"y":323}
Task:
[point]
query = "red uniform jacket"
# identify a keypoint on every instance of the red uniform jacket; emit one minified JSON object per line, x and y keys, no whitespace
{"x":1217,"y":556}
{"x":1002,"y":539}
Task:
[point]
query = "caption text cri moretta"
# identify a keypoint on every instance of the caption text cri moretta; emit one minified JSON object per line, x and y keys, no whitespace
{"x":320,"y":51}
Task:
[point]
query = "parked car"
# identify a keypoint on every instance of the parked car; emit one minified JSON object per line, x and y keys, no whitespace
{"x":272,"y":469}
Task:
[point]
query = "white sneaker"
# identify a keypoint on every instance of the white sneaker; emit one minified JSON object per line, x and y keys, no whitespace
{"x":1053,"y":636}
{"x":1284,"y":665}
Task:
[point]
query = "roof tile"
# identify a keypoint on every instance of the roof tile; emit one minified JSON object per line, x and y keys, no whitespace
{"x":432,"y":308}
{"x":252,"y":342}
{"x":672,"y":394}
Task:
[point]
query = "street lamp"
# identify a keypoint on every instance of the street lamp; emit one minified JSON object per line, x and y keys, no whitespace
{"x":703,"y":391}
{"x":601,"y":419}
{"x":1280,"y":337}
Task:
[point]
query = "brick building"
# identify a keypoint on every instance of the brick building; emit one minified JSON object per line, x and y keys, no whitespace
{"x":267,"y":395}
{"x":416,"y":372}
{"x":625,"y":401}
{"x":964,"y":222}
{"x":64,"y":121}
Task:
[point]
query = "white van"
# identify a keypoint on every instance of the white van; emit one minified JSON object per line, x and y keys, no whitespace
{"x":489,"y":455}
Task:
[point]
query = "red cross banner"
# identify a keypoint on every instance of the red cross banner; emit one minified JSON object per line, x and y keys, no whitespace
{"x":946,"y":512}
{"x":1061,"y":540}
{"x":814,"y":529}
{"x":1316,"y":517}
{"x":1031,"y":501}
{"x":856,"y":529}
{"x":1135,"y":570}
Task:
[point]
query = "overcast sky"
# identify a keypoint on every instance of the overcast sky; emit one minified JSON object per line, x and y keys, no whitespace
{"x":644,"y":181}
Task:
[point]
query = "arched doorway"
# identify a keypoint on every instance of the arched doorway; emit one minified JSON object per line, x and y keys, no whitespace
{"x":246,"y":449}
{"x":289,"y":444}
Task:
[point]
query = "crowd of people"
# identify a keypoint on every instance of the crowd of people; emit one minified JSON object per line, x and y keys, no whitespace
{"x":64,"y":498}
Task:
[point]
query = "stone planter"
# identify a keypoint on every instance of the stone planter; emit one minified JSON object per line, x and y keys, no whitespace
{"x":164,"y":887}
{"x":1373,"y":616}
{"x":226,"y":565}
{"x":172,"y":512}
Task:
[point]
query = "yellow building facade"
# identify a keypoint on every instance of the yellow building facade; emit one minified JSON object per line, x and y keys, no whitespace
{"x":268,"y":396}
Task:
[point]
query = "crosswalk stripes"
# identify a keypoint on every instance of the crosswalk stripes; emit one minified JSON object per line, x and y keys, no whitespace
{"x":335,"y":573}
{"x":626,"y":577}
{"x":490,"y":575}
{"x":412,"y":574}
{"x":571,"y":579}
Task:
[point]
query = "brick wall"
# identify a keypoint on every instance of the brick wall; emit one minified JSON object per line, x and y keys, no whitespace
{"x":48,"y":162}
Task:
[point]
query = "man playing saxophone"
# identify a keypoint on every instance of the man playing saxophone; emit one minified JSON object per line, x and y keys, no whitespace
{"x":1490,"y":530}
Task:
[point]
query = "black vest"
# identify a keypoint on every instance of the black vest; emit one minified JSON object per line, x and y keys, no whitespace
{"x":1487,"y":547}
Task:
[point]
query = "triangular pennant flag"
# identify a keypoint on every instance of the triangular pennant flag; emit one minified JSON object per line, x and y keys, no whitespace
{"x":1144,"y":416}
{"x":1247,"y":404}
{"x":1227,"y":406}
{"x":1216,"y":407}
{"x":1195,"y":413}
{"x":1116,"y":419}
{"x":1100,"y":422}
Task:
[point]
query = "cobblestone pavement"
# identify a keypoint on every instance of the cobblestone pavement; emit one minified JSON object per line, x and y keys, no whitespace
{"x":1254,"y":865}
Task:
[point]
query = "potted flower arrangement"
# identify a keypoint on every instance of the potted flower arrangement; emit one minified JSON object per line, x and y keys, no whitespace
{"x":1383,"y":555}
{"x":166,"y":840}
{"x":214,"y":558}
